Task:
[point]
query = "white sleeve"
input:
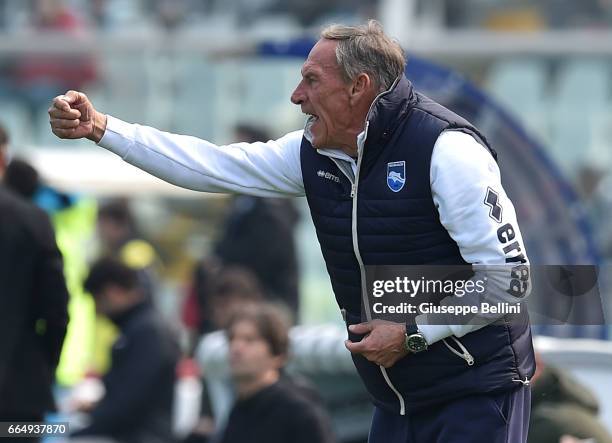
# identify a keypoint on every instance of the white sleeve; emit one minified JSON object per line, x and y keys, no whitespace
{"x":269,"y":169}
{"x":478,"y":215}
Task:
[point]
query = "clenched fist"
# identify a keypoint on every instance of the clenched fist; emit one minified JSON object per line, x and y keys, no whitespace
{"x":72,"y":116}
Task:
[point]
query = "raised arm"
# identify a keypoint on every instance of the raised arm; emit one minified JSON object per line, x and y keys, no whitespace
{"x":264,"y":169}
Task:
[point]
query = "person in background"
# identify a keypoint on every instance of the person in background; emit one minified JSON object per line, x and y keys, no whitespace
{"x":267,"y":408}
{"x":22,"y":178}
{"x":73,"y":219}
{"x":120,"y":239}
{"x":137,"y":405}
{"x":217,"y":293}
{"x":217,"y":289}
{"x":4,"y":147}
{"x":33,"y":307}
{"x":259,"y":235}
{"x":563,"y":410}
{"x":196,"y":314}
{"x":233,"y":288}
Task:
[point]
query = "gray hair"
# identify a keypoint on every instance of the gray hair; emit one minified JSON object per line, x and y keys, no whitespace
{"x":367,"y":49}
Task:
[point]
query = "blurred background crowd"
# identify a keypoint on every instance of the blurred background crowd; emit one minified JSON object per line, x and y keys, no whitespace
{"x":536,"y":76}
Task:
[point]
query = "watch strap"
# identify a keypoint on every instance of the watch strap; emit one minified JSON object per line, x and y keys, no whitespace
{"x":411,"y":328}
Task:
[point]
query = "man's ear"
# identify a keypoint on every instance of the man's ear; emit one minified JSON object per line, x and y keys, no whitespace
{"x":362,"y":86}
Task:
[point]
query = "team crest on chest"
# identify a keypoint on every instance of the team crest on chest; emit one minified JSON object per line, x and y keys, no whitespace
{"x":396,"y":175}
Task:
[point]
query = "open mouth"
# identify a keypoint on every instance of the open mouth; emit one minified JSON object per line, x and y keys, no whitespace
{"x":310,"y":125}
{"x":312,"y":117}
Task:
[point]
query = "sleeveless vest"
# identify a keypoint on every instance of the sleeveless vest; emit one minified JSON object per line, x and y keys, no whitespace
{"x":365,"y":219}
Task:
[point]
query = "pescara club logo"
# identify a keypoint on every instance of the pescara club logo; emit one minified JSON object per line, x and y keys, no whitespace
{"x":396,"y":175}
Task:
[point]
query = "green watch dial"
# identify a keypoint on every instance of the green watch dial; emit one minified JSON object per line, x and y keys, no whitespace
{"x":416,"y":343}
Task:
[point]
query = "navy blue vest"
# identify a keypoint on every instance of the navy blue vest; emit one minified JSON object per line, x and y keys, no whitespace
{"x":403,"y":228}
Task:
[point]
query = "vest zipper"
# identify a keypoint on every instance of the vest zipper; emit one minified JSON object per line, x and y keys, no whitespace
{"x":364,"y":291}
{"x":464,"y":354}
{"x":354,"y":186}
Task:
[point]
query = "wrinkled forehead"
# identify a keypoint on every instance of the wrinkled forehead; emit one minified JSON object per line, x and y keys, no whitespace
{"x":322,"y":57}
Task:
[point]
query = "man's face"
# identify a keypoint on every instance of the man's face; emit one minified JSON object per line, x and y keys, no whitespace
{"x":111,"y":300}
{"x":249,"y":354}
{"x":111,"y":233}
{"x":104,"y":305}
{"x":324,"y":94}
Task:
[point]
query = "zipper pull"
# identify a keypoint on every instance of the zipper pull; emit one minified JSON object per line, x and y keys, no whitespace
{"x":353,"y":190}
{"x":464,"y":354}
{"x":469,"y":359}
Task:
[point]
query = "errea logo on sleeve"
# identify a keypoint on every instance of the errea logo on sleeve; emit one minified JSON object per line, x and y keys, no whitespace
{"x":328,"y":176}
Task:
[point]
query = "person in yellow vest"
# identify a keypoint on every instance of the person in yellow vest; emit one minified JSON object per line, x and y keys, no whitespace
{"x":74,"y":225}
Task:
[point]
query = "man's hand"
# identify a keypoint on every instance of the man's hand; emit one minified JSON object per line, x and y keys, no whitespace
{"x":72,"y":116}
{"x":383,"y":344}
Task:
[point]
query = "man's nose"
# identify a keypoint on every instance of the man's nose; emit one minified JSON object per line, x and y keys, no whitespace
{"x":236,"y":346}
{"x":234,"y":350}
{"x":297,"y":97}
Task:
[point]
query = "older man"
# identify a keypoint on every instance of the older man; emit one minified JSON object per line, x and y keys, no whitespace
{"x":391,"y":178}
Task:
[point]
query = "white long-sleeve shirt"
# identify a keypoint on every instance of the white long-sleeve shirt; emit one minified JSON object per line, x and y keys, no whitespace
{"x":462,"y":175}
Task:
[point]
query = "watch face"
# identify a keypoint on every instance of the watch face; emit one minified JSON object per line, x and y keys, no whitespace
{"x":416,"y":343}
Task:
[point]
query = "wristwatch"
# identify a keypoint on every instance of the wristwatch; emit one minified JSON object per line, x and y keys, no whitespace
{"x":415,"y":340}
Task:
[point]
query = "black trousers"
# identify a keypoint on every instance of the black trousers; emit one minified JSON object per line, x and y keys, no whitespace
{"x":499,"y":418}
